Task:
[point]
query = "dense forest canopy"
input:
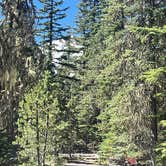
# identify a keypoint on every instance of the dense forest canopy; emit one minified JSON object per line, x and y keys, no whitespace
{"x":97,"y":88}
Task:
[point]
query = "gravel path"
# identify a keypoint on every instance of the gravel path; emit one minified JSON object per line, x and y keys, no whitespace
{"x":80,"y":163}
{"x":84,"y":160}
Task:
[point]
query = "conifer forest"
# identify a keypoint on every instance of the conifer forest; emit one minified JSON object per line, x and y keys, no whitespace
{"x":96,"y":88}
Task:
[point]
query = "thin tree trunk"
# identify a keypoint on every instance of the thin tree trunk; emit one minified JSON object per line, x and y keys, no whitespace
{"x":154,"y":126}
{"x":51,"y":32}
{"x":46,"y":138}
{"x":154,"y":120}
{"x":38,"y":138}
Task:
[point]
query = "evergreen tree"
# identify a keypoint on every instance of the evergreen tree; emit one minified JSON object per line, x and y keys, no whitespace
{"x":103,"y":90}
{"x":40,"y":125}
{"x":62,"y":74}
{"x":87,"y":106}
{"x":20,"y":62}
{"x":51,"y":28}
{"x":131,"y":104}
{"x":128,"y":123}
{"x":66,"y":76}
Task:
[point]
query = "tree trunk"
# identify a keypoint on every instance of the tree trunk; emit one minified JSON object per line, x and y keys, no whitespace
{"x":46,"y":138}
{"x":153,"y":126}
{"x":37,"y":138}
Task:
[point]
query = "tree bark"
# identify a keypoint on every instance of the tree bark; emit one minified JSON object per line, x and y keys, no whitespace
{"x":154,"y":132}
{"x":38,"y":138}
{"x":46,"y":139}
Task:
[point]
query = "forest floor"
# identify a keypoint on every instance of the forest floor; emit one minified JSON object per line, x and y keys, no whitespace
{"x":81,"y":163}
{"x":83,"y":160}
{"x":86,"y":160}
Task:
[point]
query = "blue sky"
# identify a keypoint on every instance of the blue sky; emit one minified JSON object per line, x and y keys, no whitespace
{"x":71,"y":13}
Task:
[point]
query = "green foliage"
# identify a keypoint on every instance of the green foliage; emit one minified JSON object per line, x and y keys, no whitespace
{"x":7,"y":150}
{"x":129,"y":68}
{"x":39,"y":114}
{"x":115,"y":127}
{"x":162,"y":146}
{"x":154,"y":75}
{"x":50,"y":27}
{"x":21,"y":65}
{"x":110,"y":98}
